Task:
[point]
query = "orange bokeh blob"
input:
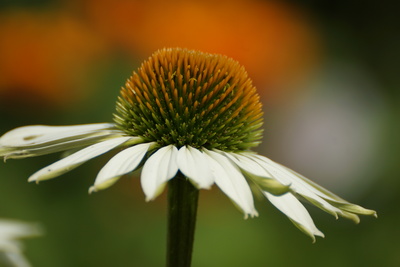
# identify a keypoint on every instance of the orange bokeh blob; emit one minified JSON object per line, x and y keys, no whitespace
{"x":272,"y":40}
{"x":43,"y":55}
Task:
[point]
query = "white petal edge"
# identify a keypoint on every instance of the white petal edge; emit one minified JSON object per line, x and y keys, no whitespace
{"x":248,"y":165}
{"x":194,"y":165}
{"x":66,"y":164}
{"x":293,"y":209}
{"x":258,"y":174}
{"x":157,"y":170}
{"x":321,"y":191}
{"x":124,"y":162}
{"x":37,"y":134}
{"x":231,"y":181}
{"x":283,"y":175}
{"x":292,"y":176}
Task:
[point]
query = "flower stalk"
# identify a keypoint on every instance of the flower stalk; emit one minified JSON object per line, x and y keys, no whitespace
{"x":182,"y":210}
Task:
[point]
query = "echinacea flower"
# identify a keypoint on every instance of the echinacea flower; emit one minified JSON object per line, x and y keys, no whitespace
{"x":191,"y":113}
{"x":10,"y":247}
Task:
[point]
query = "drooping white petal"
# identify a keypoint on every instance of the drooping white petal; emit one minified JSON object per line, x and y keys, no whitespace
{"x":297,"y":185}
{"x":231,"y":181}
{"x":124,"y":162}
{"x":258,"y":174}
{"x":334,"y":200}
{"x":158,"y":169}
{"x":39,"y":140}
{"x":297,"y":213}
{"x":194,"y":165}
{"x":247,"y":164}
{"x":66,"y":164}
{"x":39,"y":134}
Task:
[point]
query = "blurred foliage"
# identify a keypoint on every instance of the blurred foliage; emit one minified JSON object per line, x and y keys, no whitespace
{"x":78,"y":68}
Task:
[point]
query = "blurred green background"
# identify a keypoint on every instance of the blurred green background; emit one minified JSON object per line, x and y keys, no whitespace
{"x":327,"y":74}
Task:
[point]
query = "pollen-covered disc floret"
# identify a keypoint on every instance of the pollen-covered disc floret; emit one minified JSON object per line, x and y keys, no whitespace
{"x":181,"y":97}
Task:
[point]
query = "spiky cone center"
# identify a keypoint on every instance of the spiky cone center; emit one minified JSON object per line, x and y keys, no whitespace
{"x":183,"y":97}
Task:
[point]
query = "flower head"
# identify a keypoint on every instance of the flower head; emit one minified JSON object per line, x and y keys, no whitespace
{"x":189,"y":98}
{"x":190,"y":112}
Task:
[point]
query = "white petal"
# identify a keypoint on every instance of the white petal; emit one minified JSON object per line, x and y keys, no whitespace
{"x":194,"y":165}
{"x":124,"y":162}
{"x":231,"y":181}
{"x":66,"y":164}
{"x":292,"y":208}
{"x":10,"y":246}
{"x":248,"y":164}
{"x":11,"y":229}
{"x":334,"y":200}
{"x":157,"y":170}
{"x":283,"y":175}
{"x":319,"y":190}
{"x":39,"y":134}
{"x":39,"y":140}
{"x":15,"y":259}
{"x":258,"y":174}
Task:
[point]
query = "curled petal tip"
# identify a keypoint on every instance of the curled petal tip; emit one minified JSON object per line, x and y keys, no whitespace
{"x":314,"y":239}
{"x":207,"y":187}
{"x":371,"y":213}
{"x":92,"y":189}
{"x":313,"y":235}
{"x":252,"y":215}
{"x":32,"y":179}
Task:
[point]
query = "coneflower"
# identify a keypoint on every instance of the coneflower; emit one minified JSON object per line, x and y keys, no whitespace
{"x":188,"y":119}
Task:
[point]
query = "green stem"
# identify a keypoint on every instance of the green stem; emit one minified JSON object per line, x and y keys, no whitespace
{"x":182,"y":208}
